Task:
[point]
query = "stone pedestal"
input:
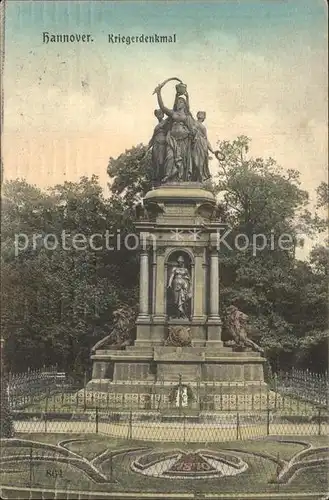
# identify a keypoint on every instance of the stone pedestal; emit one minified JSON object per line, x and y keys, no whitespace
{"x":180,"y":220}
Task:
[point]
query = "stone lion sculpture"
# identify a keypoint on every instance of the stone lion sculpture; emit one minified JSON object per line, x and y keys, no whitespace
{"x":236,"y":326}
{"x":179,"y":336}
{"x":122,"y":331}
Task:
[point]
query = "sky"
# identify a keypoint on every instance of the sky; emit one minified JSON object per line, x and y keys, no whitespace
{"x":258,"y":68}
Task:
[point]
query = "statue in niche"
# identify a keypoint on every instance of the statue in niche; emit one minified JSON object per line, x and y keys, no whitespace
{"x":236,"y":325}
{"x":179,"y":285}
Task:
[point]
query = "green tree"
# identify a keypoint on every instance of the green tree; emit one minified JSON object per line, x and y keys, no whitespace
{"x":270,"y":284}
{"x":258,"y":197}
{"x":57,"y":302}
{"x":131,"y":175}
{"x":6,"y":422}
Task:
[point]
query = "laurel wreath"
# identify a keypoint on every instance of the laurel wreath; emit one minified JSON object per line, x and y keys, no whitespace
{"x":174,"y":390}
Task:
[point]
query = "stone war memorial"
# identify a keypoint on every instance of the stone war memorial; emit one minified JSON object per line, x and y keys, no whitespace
{"x":164,"y":268}
{"x":179,"y":327}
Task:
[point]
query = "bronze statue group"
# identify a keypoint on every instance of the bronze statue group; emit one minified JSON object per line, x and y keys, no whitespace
{"x":180,"y":146}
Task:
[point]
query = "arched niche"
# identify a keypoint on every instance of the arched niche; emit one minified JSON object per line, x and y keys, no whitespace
{"x":179,"y":284}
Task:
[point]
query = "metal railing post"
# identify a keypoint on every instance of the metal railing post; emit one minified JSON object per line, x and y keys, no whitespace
{"x":31,"y":467}
{"x":180,"y":393}
{"x":237,"y":425}
{"x":130,"y":428}
{"x":319,"y":421}
{"x":111,"y":467}
{"x":268,"y":422}
{"x":84,"y":391}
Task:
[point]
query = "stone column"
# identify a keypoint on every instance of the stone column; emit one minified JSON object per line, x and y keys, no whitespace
{"x":159,"y":313}
{"x":144,"y":284}
{"x":214,"y":321}
{"x":198,"y":329}
{"x":198,"y":309}
{"x":160,"y":286}
{"x":154,"y":268}
{"x":214,"y":284}
{"x":143,"y":320}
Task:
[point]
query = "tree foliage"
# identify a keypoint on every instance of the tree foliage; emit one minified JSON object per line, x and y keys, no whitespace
{"x":268,"y":282}
{"x":58,"y":302}
{"x":277,"y":290}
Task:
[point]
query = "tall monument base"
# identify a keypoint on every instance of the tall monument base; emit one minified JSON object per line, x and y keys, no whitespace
{"x":217,"y":379}
{"x":179,"y":291}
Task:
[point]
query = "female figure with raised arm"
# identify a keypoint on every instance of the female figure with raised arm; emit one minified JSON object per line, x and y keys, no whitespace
{"x":178,"y":164}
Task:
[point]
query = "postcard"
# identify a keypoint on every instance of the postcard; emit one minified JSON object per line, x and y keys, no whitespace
{"x":164,"y":264}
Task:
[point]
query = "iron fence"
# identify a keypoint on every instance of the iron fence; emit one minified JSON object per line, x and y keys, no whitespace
{"x":27,"y":388}
{"x":157,"y":426}
{"x":303,"y":384}
{"x":169,"y":440}
{"x":50,"y":389}
{"x":168,"y":398}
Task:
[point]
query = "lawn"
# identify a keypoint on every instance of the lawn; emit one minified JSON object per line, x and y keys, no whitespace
{"x":259,"y":476}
